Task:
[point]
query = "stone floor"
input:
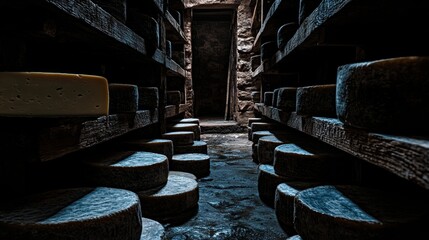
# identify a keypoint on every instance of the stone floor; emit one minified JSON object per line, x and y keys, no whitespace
{"x":229,"y":205}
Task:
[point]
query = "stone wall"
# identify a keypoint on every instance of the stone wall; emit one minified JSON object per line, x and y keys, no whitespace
{"x":244,"y":105}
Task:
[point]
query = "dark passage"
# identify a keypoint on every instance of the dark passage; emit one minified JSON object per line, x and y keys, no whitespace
{"x":211,"y":44}
{"x":229,"y":204}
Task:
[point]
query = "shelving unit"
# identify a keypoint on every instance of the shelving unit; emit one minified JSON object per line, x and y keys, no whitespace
{"x":369,"y":30}
{"x":80,"y":37}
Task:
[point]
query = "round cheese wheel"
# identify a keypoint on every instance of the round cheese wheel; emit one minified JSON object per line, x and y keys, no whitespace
{"x":352,"y":212}
{"x":285,"y":33}
{"x":274,"y":98}
{"x":286,"y":99}
{"x":180,"y":137}
{"x":152,"y":230}
{"x":267,"y":183}
{"x":124,"y":98}
{"x":256,"y":96}
{"x":147,"y":27}
{"x":266,"y":146}
{"x":196,"y":147}
{"x":268,"y":98}
{"x":168,"y":49}
{"x":385,"y":95}
{"x":183,"y":174}
{"x":294,"y":237}
{"x":72,"y":214}
{"x":135,"y":171}
{"x":174,"y":202}
{"x":185,"y":120}
{"x":311,"y":161}
{"x":195,"y":163}
{"x":174,"y":97}
{"x":317,"y":100}
{"x":268,"y":49}
{"x":284,"y":202}
{"x":148,"y":98}
{"x":177,"y":127}
{"x":161,"y":146}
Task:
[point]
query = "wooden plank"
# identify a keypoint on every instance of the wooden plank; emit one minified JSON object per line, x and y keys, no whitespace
{"x":405,"y":156}
{"x":256,"y":18}
{"x":60,"y":140}
{"x":174,"y":31}
{"x":174,"y":69}
{"x":174,"y":110}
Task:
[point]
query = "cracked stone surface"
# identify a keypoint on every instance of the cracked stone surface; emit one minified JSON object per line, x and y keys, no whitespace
{"x":229,"y":205}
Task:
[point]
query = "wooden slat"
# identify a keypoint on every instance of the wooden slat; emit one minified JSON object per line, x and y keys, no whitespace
{"x":174,"y":110}
{"x":405,"y":156}
{"x":174,"y":31}
{"x":174,"y":69}
{"x":60,"y":140}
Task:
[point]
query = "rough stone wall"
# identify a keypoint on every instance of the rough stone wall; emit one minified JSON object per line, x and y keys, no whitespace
{"x":244,"y":104}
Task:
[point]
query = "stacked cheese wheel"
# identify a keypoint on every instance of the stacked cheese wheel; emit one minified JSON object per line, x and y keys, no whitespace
{"x":72,"y":214}
{"x":317,"y":100}
{"x":249,"y":125}
{"x":161,"y":146}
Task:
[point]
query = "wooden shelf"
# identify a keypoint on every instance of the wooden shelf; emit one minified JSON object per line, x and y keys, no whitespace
{"x":176,"y":4}
{"x":355,"y":22}
{"x":174,"y":69}
{"x":405,"y":156}
{"x":256,"y":18}
{"x":174,"y":31}
{"x":174,"y":110}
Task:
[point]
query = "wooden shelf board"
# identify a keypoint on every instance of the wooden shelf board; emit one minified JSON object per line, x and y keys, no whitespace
{"x":175,"y":33}
{"x":407,"y":157}
{"x":173,"y":68}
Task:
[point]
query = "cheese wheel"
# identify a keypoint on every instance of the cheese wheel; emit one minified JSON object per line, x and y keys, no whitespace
{"x":311,"y":161}
{"x":285,"y":33}
{"x":260,"y":126}
{"x":294,"y":237}
{"x":258,"y":134}
{"x":180,"y":138}
{"x":195,"y":163}
{"x":134,"y":171}
{"x":117,"y":8}
{"x":317,"y":100}
{"x":352,"y":212}
{"x":174,"y":97}
{"x":256,"y":96}
{"x":168,"y":49}
{"x":183,"y":174}
{"x":152,"y":230}
{"x":161,"y":146}
{"x":255,"y":153}
{"x":268,"y":49}
{"x":38,"y":94}
{"x":124,"y":98}
{"x":274,"y":98}
{"x":385,"y":95}
{"x":306,"y":7}
{"x":186,"y":120}
{"x":177,"y":127}
{"x":175,"y":201}
{"x":179,"y":57}
{"x":177,"y":16}
{"x":196,"y":147}
{"x":268,"y":98}
{"x":286,"y":99}
{"x":72,"y":214}
{"x":148,"y":98}
{"x":267,"y":183}
{"x":266,"y":146}
{"x":147,"y":27}
{"x":284,"y":202}
{"x":255,"y":61}
{"x":249,"y":124}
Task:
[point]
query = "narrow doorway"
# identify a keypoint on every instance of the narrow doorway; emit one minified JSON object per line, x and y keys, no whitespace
{"x":213,"y":61}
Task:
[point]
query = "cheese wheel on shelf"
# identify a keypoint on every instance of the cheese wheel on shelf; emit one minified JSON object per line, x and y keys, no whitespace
{"x":285,"y":33}
{"x":148,"y":98}
{"x":260,"y":126}
{"x":174,"y":97}
{"x":180,"y":138}
{"x":268,"y":49}
{"x":256,"y":96}
{"x":183,"y":174}
{"x":147,"y":27}
{"x":268,"y":181}
{"x":152,"y":230}
{"x":161,"y":146}
{"x":72,"y":214}
{"x":196,"y":147}
{"x":387,"y":95}
{"x":175,"y":202}
{"x":274,"y":98}
{"x":117,"y":8}
{"x":135,"y":171}
{"x":39,"y":94}
{"x":268,"y":98}
{"x":124,"y":98}
{"x":317,"y":100}
{"x":286,"y":99}
{"x":177,"y":127}
{"x":312,"y":161}
{"x":168,"y":49}
{"x":284,"y":202}
{"x":195,"y":163}
{"x":353,"y":212}
{"x":266,"y":146}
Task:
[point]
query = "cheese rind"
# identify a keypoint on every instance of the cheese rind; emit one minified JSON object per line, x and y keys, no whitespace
{"x":268,"y":181}
{"x":195,"y":163}
{"x":161,"y":146}
{"x":317,"y":100}
{"x":180,"y":137}
{"x":196,"y":147}
{"x":124,"y":98}
{"x":152,"y":230}
{"x":39,"y":94}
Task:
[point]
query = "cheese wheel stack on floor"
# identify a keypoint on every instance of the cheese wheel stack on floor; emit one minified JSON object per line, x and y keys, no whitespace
{"x":294,"y":237}
{"x":175,"y":203}
{"x":152,"y":230}
{"x":352,"y":212}
{"x":195,"y":163}
{"x":261,"y":126}
{"x":249,"y":125}
{"x":39,"y":94}
{"x":267,"y":144}
{"x":180,"y":137}
{"x":182,"y":174}
{"x":161,"y":146}
{"x":148,"y":98}
{"x":317,"y":100}
{"x":177,"y":127}
{"x":124,"y":98}
{"x":388,"y":95}
{"x":72,"y":214}
{"x":255,"y":138}
{"x":196,"y":147}
{"x":135,"y":171}
{"x":268,"y":181}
